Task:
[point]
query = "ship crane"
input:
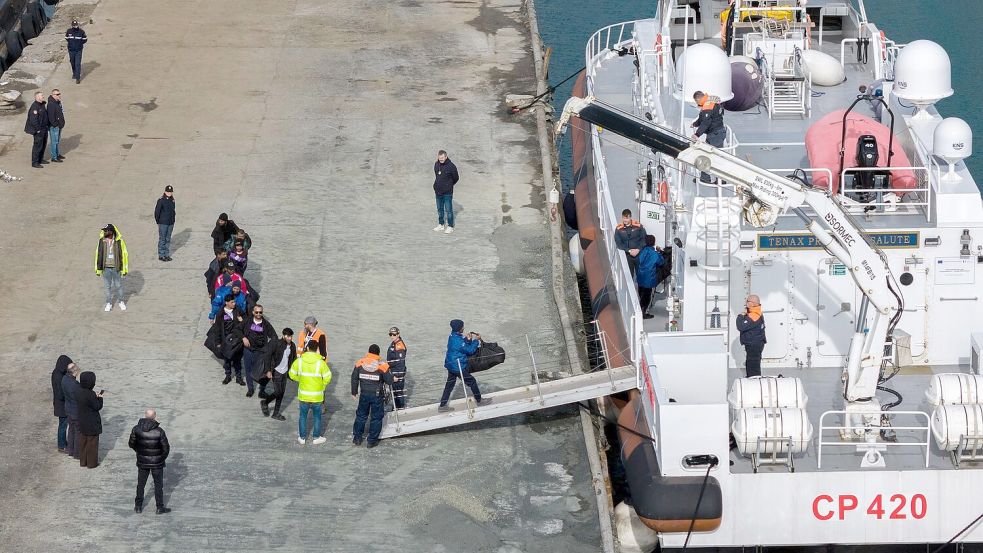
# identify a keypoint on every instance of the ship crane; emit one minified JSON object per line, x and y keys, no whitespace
{"x":765,"y":196}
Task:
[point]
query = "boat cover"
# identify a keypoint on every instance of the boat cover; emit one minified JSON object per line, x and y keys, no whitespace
{"x":823,"y":148}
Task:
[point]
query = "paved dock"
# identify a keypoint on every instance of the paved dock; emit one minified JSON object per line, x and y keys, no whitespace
{"x":314,"y":125}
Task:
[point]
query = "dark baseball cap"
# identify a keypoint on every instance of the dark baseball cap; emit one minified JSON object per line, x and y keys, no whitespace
{"x":168,"y":188}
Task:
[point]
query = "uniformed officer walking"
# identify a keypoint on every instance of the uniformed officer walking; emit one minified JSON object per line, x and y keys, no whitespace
{"x":37,"y":126}
{"x":710,"y":122}
{"x":368,"y":377}
{"x":76,"y":39}
{"x":396,"y":357}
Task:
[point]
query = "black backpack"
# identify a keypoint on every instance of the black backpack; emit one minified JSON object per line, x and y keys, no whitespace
{"x":488,"y":355}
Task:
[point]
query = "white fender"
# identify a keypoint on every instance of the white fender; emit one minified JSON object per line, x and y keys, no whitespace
{"x":576,"y":254}
{"x":633,"y":535}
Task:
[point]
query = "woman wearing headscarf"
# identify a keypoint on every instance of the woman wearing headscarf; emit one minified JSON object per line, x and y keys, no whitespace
{"x":58,"y":400}
{"x":90,"y":422}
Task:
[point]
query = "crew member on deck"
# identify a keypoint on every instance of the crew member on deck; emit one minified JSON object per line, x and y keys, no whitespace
{"x":630,"y":238}
{"x":751,"y":325}
{"x":710,"y":123}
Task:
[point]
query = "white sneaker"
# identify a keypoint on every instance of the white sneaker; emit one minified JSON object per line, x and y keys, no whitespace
{"x":122,"y":306}
{"x":438,"y":228}
{"x":109,"y":307}
{"x":449,"y":230}
{"x":301,"y":441}
{"x":319,"y":440}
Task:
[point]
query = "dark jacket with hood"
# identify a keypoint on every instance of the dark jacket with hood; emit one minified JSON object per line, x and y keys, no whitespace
{"x":222,"y":233}
{"x":89,"y":404}
{"x":276,"y":356}
{"x":69,"y":391}
{"x":164,"y":212}
{"x":56,"y":113}
{"x":445,"y":177}
{"x":58,"y":398}
{"x":150,"y":442}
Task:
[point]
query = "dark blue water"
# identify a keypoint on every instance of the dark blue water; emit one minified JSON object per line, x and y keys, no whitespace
{"x":566,"y":25}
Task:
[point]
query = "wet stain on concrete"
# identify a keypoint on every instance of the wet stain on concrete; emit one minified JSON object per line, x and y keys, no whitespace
{"x":435,"y":120}
{"x":133,"y":135}
{"x":507,"y":219}
{"x":410,"y":4}
{"x":441,"y":93}
{"x":126,"y":146}
{"x":32,"y":337}
{"x":490,"y":20}
{"x":146,"y":106}
{"x":447,"y":99}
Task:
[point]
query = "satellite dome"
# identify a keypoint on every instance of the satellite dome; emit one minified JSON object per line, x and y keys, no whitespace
{"x":703,"y":67}
{"x":952,"y":141}
{"x":923,"y":73}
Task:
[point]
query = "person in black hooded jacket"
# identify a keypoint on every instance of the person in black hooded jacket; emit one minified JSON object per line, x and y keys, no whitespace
{"x":90,"y":423}
{"x":69,"y":389}
{"x":149,"y":442}
{"x":58,"y":400}
{"x":225,"y":228}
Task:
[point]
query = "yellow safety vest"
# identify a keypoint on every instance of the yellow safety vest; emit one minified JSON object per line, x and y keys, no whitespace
{"x":312,"y":374}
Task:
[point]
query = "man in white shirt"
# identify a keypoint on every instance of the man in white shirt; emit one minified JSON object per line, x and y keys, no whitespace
{"x":283,"y":356}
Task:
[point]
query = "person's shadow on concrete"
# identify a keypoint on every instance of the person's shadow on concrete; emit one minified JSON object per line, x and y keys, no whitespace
{"x":180,"y":239}
{"x":175,"y":469}
{"x":113,"y":428}
{"x":68,"y":144}
{"x":88,"y":67}
{"x":133,"y":284}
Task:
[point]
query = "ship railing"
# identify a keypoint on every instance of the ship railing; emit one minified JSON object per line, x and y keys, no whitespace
{"x":604,"y":40}
{"x":910,"y":436}
{"x":629,"y":308}
{"x":918,"y":197}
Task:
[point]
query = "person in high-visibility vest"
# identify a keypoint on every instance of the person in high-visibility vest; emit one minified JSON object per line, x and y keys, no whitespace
{"x":313,"y":375}
{"x":312,"y":333}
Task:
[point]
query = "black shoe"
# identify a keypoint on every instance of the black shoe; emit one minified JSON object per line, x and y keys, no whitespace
{"x":167,"y":258}
{"x":485,"y":400}
{"x":263,"y":394}
{"x":278,"y":417}
{"x":647,"y":316}
{"x":138,"y":509}
{"x":227,"y":379}
{"x":240,"y":381}
{"x":56,"y":160}
{"x":161,"y":259}
{"x":249,"y":393}
{"x":356,"y":442}
{"x":45,"y":162}
{"x":163,"y":510}
{"x":60,"y":157}
{"x":77,"y":81}
{"x":36,"y":165}
{"x":265,"y":407}
{"x":370,"y":445}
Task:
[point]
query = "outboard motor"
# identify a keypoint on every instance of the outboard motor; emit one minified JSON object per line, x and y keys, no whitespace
{"x":867,"y":156}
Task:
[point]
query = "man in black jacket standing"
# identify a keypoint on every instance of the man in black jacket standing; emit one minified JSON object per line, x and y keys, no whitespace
{"x":257,"y":334}
{"x":445,"y":177}
{"x":281,"y":359}
{"x":58,"y":400}
{"x":37,"y":126}
{"x":56,"y":122}
{"x":150,"y":443}
{"x":164,"y":215}
{"x":76,"y":39}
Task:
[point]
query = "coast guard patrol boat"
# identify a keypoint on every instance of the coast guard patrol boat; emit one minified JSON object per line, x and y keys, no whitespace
{"x":841,"y":199}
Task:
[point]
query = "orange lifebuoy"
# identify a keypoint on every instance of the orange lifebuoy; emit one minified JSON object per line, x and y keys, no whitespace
{"x":663,"y":190}
{"x":658,"y":49}
{"x":883,"y":46}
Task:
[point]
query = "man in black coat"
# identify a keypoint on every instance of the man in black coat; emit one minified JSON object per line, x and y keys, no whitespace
{"x":225,"y":228}
{"x":69,"y":389}
{"x":257,"y":333}
{"x":58,"y":400}
{"x":164,"y":214}
{"x":90,"y":422}
{"x":56,"y":122}
{"x":444,"y":178}
{"x":150,"y":443}
{"x":37,"y":126}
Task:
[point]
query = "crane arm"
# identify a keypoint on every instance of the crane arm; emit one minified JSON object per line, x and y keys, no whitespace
{"x":765,"y":196}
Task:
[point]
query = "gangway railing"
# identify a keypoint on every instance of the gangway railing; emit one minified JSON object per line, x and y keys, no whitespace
{"x":912,"y":431}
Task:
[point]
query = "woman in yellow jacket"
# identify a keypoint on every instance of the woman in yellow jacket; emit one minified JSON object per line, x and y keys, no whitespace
{"x":313,"y":375}
{"x":112,"y":264}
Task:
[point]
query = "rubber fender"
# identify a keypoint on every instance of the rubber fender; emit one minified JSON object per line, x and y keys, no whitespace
{"x":15,"y":45}
{"x":28,"y":27}
{"x":586,"y":215}
{"x":570,"y":210}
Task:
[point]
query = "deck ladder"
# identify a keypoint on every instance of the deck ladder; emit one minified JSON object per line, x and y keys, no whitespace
{"x":720,"y":236}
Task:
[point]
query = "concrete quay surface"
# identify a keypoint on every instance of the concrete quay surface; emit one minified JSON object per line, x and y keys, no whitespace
{"x":314,"y":125}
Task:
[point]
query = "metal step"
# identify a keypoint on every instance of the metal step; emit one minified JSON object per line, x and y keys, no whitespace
{"x":513,"y":401}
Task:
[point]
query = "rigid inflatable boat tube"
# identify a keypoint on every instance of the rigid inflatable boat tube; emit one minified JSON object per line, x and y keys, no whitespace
{"x":664,"y":503}
{"x":583,"y":174}
{"x":586,"y":215}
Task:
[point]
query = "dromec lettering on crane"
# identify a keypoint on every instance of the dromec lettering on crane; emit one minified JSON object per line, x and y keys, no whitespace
{"x":843,"y":232}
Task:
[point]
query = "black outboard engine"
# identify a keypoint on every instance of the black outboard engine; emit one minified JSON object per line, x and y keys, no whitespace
{"x":867,"y":156}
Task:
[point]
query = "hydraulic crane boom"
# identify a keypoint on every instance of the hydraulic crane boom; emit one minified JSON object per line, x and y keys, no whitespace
{"x":765,"y":195}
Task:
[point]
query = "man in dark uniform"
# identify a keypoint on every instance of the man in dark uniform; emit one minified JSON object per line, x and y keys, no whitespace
{"x":396,"y":357}
{"x":368,"y":378}
{"x":710,"y":122}
{"x":76,"y":39}
{"x":751,"y":325}
{"x":37,"y":126}
{"x":630,"y":238}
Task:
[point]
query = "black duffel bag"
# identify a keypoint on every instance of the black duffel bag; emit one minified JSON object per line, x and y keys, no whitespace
{"x":213,"y":341}
{"x":488,"y":355}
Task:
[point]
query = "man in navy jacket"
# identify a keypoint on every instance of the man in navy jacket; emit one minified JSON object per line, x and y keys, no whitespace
{"x":445,"y":177}
{"x":164,"y":215}
{"x":459,"y":348}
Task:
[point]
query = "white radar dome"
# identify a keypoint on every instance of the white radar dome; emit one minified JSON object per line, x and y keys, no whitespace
{"x":703,"y":67}
{"x":923,"y":74}
{"x":952,"y":141}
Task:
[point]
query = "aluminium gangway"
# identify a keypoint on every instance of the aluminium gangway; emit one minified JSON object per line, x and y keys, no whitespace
{"x":522,"y":399}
